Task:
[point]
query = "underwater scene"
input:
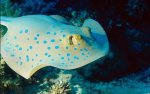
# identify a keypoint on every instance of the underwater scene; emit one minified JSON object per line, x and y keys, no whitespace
{"x":74,"y":47}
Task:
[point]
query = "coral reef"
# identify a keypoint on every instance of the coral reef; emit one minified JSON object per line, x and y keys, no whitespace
{"x":60,"y":87}
{"x":10,"y":85}
{"x":7,"y":9}
{"x":7,"y":82}
{"x":79,"y":85}
{"x":2,"y":67}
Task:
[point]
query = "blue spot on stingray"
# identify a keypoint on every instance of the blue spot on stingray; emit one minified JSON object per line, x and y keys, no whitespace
{"x":75,"y":48}
{"x":44,"y":41}
{"x":52,"y":40}
{"x":17,"y":46}
{"x":64,"y":35}
{"x":52,"y":59}
{"x":20,"y":48}
{"x":68,"y":54}
{"x":75,"y":57}
{"x":35,"y":38}
{"x":27,"y":49}
{"x":82,"y":53}
{"x":67,"y":47}
{"x":56,"y":47}
{"x":26,"y":31}
{"x":48,"y":48}
{"x":41,"y":60}
{"x":20,"y":58}
{"x":55,"y":33}
{"x":81,"y":49}
{"x":85,"y":49}
{"x":27,"y":58}
{"x":78,"y":44}
{"x":46,"y":54}
{"x":71,"y":62}
{"x":30,"y":47}
{"x":37,"y":35}
{"x":60,"y":40}
{"x":37,"y":42}
{"x":62,"y":57}
{"x":59,"y":54}
{"x":36,"y":54}
{"x":20,"y":63}
{"x":49,"y":55}
{"x":32,"y":59}
{"x":48,"y":33}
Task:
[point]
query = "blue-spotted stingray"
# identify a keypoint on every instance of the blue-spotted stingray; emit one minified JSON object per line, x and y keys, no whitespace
{"x":35,"y":41}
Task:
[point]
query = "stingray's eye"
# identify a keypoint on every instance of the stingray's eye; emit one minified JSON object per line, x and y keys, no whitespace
{"x":70,"y":40}
{"x":74,"y":39}
{"x":3,"y":30}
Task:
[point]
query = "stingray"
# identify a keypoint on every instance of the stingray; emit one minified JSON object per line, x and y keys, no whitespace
{"x":36,"y":41}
